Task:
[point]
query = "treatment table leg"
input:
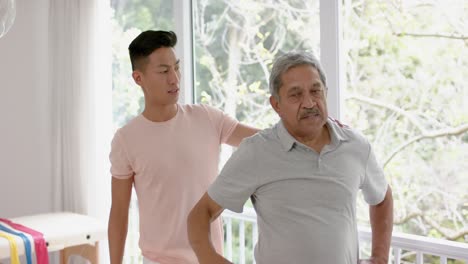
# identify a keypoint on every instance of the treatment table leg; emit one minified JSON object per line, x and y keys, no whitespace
{"x":86,"y":251}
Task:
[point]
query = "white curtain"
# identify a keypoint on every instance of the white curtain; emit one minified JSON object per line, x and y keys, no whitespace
{"x":79,"y":42}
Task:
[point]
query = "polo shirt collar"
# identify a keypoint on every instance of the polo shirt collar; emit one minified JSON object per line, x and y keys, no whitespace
{"x":286,"y":140}
{"x":336,"y":133}
{"x":337,"y":130}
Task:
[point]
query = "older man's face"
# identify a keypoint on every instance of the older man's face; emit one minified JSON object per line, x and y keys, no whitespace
{"x":302,"y":101}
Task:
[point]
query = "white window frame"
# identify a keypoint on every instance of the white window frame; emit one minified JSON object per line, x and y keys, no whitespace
{"x":183,"y":28}
{"x":330,"y":51}
{"x":331,"y":58}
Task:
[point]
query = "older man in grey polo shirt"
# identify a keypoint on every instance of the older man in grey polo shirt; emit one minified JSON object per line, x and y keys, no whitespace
{"x":303,"y":176}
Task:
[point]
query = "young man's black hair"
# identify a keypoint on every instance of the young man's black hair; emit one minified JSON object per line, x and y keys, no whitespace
{"x":147,"y":42}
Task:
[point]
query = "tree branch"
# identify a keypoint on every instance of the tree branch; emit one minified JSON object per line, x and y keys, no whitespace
{"x":449,"y":234}
{"x":424,"y":134}
{"x":394,"y":108}
{"x":453,"y":131}
{"x":434,"y":35}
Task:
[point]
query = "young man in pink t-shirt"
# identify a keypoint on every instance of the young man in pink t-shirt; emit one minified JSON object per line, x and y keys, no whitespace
{"x":169,"y":153}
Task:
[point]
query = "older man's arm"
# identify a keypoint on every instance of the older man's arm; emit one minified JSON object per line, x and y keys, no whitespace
{"x":381,"y":219}
{"x":198,"y":227}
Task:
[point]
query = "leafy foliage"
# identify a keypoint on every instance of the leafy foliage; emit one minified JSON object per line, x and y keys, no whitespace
{"x":406,"y":91}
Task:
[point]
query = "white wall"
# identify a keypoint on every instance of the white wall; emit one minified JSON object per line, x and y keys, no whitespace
{"x":25,"y":151}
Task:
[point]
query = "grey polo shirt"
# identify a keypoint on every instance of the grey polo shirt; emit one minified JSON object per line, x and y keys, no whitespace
{"x":305,"y":201}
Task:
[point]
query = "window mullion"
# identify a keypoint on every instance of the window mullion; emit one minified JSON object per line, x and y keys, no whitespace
{"x":184,"y":48}
{"x":331,"y":53}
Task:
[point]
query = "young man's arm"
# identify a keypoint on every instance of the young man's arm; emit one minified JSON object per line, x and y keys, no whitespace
{"x":381,"y":219}
{"x":118,"y":218}
{"x":198,"y":227}
{"x":240,"y":132}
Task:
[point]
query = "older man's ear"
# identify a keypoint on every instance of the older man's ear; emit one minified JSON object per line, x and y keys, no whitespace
{"x":275,"y":104}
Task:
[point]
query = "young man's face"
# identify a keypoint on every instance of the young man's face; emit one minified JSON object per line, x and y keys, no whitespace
{"x":159,"y":77}
{"x":302,"y":102}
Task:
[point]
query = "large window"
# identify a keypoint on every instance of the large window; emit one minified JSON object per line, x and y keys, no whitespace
{"x":407,"y":67}
{"x":235,"y":43}
{"x":130,"y":18}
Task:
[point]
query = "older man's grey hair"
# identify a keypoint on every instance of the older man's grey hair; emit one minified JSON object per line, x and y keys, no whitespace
{"x":290,"y":60}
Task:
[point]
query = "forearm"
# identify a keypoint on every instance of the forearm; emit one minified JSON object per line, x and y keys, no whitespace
{"x":381,"y":217}
{"x":198,"y":227}
{"x":117,"y":234}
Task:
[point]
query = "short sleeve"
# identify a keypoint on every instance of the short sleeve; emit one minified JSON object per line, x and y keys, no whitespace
{"x":120,"y":164}
{"x":374,"y":186}
{"x":222,"y":122}
{"x":237,"y":180}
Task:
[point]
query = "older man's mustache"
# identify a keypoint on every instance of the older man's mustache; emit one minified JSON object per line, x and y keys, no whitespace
{"x":308,"y":112}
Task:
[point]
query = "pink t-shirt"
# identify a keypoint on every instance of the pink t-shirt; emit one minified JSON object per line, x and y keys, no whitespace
{"x":174,"y":162}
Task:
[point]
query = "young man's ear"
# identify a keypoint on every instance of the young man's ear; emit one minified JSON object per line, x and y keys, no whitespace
{"x":136,"y":74}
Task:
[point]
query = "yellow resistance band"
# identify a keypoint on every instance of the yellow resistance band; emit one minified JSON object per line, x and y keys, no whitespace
{"x":14,"y":258}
